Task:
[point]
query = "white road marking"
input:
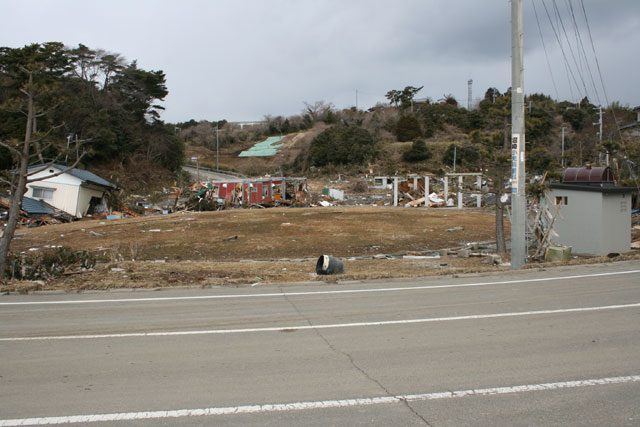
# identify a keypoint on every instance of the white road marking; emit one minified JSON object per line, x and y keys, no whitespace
{"x":326,"y":326}
{"x":308,"y":293}
{"x":322,"y":404}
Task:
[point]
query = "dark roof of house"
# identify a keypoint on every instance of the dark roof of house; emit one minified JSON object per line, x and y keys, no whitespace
{"x":83,"y":175}
{"x":34,"y":206}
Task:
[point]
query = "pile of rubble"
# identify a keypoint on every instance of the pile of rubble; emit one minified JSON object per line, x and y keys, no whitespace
{"x":54,"y":216}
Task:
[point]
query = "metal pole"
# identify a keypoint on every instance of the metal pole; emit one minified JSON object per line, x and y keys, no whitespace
{"x":217,"y":151}
{"x":446,"y":189}
{"x":454,"y":157}
{"x":426,"y":191}
{"x":518,"y":199}
{"x":395,"y":191}
{"x":600,"y":123}
{"x":562,"y":154}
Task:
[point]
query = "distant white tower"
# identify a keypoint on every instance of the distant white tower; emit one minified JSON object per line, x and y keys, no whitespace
{"x":469,"y":93}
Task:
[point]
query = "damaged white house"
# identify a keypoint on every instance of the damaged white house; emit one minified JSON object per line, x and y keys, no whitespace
{"x":74,"y":191}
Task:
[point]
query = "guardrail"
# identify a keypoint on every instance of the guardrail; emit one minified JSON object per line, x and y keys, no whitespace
{"x":239,"y":175}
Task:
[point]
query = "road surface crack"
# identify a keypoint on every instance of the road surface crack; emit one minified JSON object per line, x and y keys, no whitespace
{"x":352,"y":361}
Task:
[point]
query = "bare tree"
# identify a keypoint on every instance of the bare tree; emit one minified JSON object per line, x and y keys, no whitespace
{"x":319,"y":110}
{"x":30,"y":149}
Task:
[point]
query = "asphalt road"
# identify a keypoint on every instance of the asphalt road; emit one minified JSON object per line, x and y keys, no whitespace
{"x":205,"y":174}
{"x":560,"y":346}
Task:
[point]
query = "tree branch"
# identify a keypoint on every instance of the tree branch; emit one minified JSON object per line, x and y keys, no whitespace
{"x":51,"y":129}
{"x":57,"y":173}
{"x":10,"y":148}
{"x":44,"y":113}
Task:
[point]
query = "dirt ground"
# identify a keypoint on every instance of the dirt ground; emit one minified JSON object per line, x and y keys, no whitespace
{"x":240,"y":247}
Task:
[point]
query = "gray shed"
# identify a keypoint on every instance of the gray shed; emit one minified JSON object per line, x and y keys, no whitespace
{"x":595,"y":213}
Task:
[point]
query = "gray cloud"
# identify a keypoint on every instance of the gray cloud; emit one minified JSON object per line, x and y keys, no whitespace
{"x":243,"y":59}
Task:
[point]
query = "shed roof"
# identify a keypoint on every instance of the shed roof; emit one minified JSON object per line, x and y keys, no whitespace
{"x":588,"y":175}
{"x":593,"y":188}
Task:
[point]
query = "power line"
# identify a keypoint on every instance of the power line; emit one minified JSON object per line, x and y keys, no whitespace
{"x":570,"y":75}
{"x":546,"y":55}
{"x":584,"y":54}
{"x":586,"y":20}
{"x":573,"y":56}
{"x":604,"y":88}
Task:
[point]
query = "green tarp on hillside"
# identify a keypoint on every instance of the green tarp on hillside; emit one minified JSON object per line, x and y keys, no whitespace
{"x":266,"y":148}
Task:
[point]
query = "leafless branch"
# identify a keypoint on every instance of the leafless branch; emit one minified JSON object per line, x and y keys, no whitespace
{"x":5,"y":181}
{"x":51,"y":129}
{"x":65,"y":170}
{"x":44,"y":113}
{"x":10,"y":148}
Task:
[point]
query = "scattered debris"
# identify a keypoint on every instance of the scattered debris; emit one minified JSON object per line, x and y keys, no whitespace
{"x":558,"y":253}
{"x":49,"y":264}
{"x":333,"y":193}
{"x":450,"y":230}
{"x":464,"y":253}
{"x":230,"y":239}
{"x":328,"y":264}
{"x":494,"y":259}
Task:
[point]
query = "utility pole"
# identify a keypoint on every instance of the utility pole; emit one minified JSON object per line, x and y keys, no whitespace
{"x":600,"y":113}
{"x":518,"y":196}
{"x":454,"y":157}
{"x":217,"y":150}
{"x":562,"y":152}
{"x":356,"y":99}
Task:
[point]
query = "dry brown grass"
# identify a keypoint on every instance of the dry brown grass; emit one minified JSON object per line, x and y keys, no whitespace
{"x":270,"y":233}
{"x":272,"y":245}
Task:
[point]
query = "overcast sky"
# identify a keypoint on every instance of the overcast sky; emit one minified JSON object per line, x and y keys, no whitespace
{"x":243,"y":59}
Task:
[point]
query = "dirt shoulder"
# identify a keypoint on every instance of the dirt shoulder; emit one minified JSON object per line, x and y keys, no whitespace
{"x":250,"y":246}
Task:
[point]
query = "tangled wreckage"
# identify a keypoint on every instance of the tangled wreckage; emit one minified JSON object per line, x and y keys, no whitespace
{"x":262,"y":192}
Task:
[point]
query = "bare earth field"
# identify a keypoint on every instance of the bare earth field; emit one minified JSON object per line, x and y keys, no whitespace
{"x":251,"y":246}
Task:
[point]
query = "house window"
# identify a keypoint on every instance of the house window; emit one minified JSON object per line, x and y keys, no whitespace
{"x":265,"y":191}
{"x":562,"y":200}
{"x":43,"y":193}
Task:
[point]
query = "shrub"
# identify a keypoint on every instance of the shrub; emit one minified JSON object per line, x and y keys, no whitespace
{"x":417,"y":153}
{"x":407,"y":128}
{"x":465,"y":155}
{"x":346,"y":145}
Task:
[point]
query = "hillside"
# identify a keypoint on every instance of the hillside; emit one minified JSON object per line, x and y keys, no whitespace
{"x":472,"y":139}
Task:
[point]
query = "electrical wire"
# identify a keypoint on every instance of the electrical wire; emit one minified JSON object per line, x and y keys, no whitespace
{"x":604,"y":89}
{"x":570,"y":76}
{"x":573,"y":56}
{"x":546,"y":55}
{"x":582,"y":50}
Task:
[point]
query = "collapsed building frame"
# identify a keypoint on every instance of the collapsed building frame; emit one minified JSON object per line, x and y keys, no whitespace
{"x":256,"y":191}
